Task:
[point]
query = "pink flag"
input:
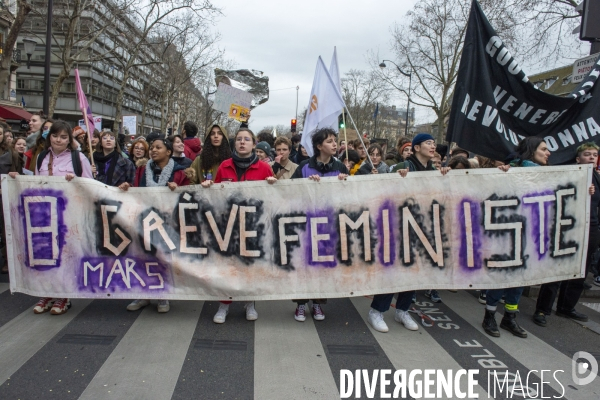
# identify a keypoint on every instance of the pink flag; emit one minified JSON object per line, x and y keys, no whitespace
{"x":83,"y":103}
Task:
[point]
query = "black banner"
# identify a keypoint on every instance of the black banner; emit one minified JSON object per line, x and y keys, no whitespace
{"x":495,"y":105}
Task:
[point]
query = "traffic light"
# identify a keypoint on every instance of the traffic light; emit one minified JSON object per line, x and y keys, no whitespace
{"x":293,"y":125}
{"x":341,"y":121}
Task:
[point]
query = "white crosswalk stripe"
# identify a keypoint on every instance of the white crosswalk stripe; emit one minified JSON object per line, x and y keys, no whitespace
{"x":26,"y":334}
{"x":410,"y":349}
{"x":532,"y":352}
{"x":147,"y":361}
{"x":290,"y":359}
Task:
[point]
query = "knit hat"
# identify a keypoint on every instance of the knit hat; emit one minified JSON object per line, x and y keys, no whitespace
{"x":420,"y":138}
{"x":264,"y":146}
{"x":405,"y":145}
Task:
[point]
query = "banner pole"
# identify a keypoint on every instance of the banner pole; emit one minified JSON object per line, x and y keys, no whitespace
{"x":360,"y":137}
{"x":89,"y":136}
{"x":345,"y":136}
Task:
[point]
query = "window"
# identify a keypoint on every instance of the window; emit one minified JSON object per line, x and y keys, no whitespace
{"x":68,"y":87}
{"x":567,"y":80}
{"x":21,"y":84}
{"x":550,"y":82}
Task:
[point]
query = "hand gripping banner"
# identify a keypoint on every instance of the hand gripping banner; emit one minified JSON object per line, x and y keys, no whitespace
{"x":297,"y":238}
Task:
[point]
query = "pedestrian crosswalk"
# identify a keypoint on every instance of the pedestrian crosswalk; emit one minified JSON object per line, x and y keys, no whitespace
{"x":98,"y":350}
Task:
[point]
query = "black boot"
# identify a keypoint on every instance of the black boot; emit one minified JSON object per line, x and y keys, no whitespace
{"x":489,"y":323}
{"x":509,"y":322}
{"x":539,"y":318}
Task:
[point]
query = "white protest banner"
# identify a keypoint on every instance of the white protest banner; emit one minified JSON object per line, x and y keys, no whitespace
{"x":228,"y":96}
{"x":297,"y":238}
{"x":129,"y":125}
{"x":97,"y":123}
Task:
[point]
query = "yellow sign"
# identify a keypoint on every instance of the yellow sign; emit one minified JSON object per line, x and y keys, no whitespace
{"x":239,"y":113}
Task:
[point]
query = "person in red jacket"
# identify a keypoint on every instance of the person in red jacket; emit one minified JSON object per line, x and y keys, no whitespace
{"x":161,"y":170}
{"x":242,"y":166}
{"x":192,"y":144}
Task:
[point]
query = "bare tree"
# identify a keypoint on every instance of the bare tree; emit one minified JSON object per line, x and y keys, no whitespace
{"x":6,"y":61}
{"x":78,"y":33}
{"x":429,"y":47}
{"x":361,"y":91}
{"x":158,"y":24}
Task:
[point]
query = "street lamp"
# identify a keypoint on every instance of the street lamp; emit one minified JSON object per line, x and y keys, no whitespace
{"x":382,"y":65}
{"x":29,"y":45}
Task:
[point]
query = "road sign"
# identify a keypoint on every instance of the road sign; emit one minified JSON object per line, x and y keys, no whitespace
{"x":582,"y":67}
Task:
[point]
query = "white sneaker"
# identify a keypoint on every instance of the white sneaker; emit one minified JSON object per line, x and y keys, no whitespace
{"x":317,"y":312}
{"x":221,"y":314}
{"x":163,"y":306}
{"x":137,"y":304}
{"x":405,"y":319}
{"x":300,"y":314}
{"x":376,"y":321}
{"x":251,"y":314}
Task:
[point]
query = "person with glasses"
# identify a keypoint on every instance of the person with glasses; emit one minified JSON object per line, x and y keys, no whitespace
{"x":242,"y":166}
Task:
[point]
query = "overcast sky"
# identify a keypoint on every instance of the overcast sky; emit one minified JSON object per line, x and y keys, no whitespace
{"x":283,"y":39}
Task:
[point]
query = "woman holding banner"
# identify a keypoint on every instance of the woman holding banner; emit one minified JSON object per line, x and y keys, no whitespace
{"x":112,"y":168}
{"x":242,"y":166}
{"x":161,"y":170}
{"x":570,"y":291}
{"x":321,"y":165}
{"x":531,"y":152}
{"x":216,"y":150}
{"x":60,"y":158}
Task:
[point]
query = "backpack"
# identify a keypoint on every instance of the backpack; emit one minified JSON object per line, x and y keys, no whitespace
{"x":75,"y":160}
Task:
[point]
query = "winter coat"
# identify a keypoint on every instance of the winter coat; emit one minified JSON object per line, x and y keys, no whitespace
{"x":366,"y":167}
{"x":258,"y":171}
{"x":192,"y":147}
{"x":124,"y":172}
{"x":312,"y":167}
{"x":178,"y":176}
{"x":184,"y":161}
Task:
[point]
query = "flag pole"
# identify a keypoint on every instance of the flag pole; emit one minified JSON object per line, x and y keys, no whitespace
{"x":89,"y":136}
{"x":345,"y":136}
{"x":360,"y":137}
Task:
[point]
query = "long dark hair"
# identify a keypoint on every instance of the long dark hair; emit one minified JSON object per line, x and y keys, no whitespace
{"x":210,"y":155}
{"x":527,"y":147}
{"x":57,"y":127}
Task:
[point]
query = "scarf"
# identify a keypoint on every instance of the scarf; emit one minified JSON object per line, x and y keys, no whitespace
{"x":165,"y":174}
{"x":101,"y":160}
{"x":242,"y":164}
{"x":417,"y":164}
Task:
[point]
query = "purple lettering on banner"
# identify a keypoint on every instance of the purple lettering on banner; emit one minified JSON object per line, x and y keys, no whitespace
{"x":476,"y":235}
{"x":536,"y":222}
{"x":123,"y":275}
{"x":326,"y":248}
{"x":44,"y":240}
{"x":392,"y":219}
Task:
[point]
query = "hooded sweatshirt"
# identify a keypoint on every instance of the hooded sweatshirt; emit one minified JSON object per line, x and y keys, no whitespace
{"x":200,"y":175}
{"x":192,"y":147}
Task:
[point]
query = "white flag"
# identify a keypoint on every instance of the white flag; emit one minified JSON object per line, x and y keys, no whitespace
{"x":332,"y":122}
{"x":325,"y":102}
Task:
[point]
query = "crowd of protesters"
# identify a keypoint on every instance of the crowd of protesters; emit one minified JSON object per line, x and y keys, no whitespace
{"x":53,"y":148}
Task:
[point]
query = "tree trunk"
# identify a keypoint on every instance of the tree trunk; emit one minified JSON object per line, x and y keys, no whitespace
{"x":64,"y":74}
{"x":23,"y":8}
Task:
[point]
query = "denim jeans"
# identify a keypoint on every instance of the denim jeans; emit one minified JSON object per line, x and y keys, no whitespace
{"x":511,"y":296}
{"x":382,"y":302}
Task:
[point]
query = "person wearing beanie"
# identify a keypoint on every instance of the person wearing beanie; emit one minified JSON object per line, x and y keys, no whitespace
{"x":263,"y":151}
{"x":423,"y":148}
{"x":216,"y":149}
{"x":406,"y":151}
